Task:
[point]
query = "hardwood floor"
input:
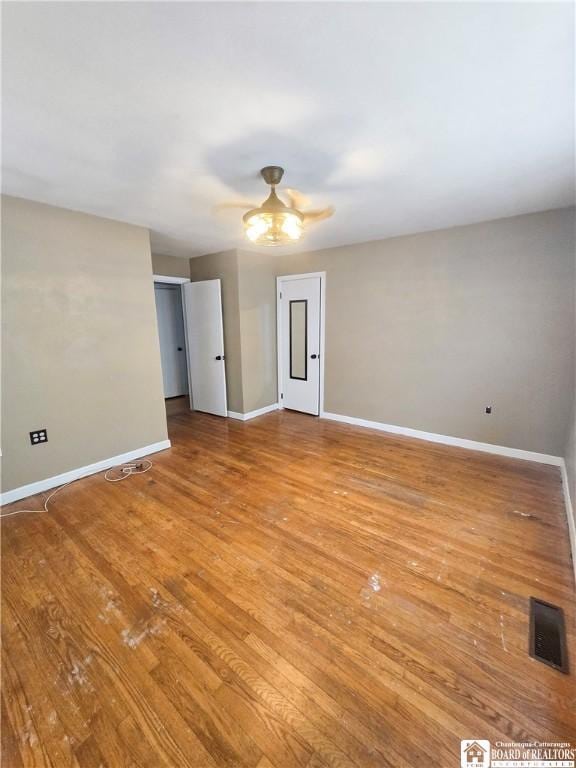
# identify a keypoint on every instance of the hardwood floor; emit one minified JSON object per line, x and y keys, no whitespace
{"x":285,"y":592}
{"x":175,"y":405}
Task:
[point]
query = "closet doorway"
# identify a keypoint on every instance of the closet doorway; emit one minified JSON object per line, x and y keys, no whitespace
{"x":173,"y":352}
{"x":191,"y":335}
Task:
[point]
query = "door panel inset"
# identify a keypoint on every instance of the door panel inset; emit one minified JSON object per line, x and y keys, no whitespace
{"x":298,"y":339}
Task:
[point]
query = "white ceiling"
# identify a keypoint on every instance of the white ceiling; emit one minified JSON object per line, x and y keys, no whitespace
{"x":405,"y":116}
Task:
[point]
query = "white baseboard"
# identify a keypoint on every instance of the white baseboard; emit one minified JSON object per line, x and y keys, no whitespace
{"x":74,"y":474}
{"x":459,"y":442}
{"x":570,"y":515}
{"x":253,"y":414}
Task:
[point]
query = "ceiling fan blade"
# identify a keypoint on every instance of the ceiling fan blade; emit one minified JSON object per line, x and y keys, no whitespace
{"x":297,"y":199}
{"x":322,"y":213}
{"x":240,"y":204}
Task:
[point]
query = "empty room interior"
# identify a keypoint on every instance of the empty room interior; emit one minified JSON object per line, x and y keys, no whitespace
{"x":288,"y":440}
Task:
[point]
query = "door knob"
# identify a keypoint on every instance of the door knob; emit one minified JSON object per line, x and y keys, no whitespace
{"x":314,"y":356}
{"x":219,"y":357}
{"x":179,"y":349}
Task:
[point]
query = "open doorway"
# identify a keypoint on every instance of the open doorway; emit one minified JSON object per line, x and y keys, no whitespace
{"x":191,"y":334}
{"x":173,"y":352}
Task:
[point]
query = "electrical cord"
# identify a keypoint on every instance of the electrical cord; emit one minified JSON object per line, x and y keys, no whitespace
{"x":22,"y":511}
{"x":122,"y":471}
{"x":126,"y":470}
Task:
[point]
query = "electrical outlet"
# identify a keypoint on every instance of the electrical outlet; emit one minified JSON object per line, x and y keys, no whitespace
{"x":488,"y":409}
{"x":38,"y":436}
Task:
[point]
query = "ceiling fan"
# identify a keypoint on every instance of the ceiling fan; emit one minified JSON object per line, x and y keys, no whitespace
{"x":274,"y":222}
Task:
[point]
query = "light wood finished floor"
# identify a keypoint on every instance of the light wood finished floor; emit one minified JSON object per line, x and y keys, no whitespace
{"x":285,"y":592}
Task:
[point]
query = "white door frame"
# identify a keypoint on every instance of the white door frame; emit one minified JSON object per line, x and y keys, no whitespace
{"x":279,"y":280}
{"x":180,"y":281}
{"x":173,"y":280}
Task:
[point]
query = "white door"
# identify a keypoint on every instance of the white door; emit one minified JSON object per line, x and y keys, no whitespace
{"x":172,"y":341}
{"x":205,"y":335}
{"x":299,"y":343}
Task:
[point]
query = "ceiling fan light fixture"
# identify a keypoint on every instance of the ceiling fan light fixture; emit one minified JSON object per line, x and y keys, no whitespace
{"x":274,"y":222}
{"x":293,"y":226}
{"x":256,"y":229}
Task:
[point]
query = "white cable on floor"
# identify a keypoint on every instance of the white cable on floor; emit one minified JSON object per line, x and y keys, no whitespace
{"x":125,"y":471}
{"x":22,"y":511}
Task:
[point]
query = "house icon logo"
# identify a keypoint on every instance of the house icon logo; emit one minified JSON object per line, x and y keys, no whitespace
{"x":475,"y":753}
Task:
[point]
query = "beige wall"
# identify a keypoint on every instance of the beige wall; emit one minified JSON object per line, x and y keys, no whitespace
{"x":80,"y":344}
{"x":257,"y":300}
{"x":224,"y":266}
{"x":170,"y":266}
{"x":424,"y":331}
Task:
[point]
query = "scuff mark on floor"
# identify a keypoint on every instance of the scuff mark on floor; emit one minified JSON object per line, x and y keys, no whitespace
{"x":78,"y":674}
{"x":502,"y":634}
{"x":27,"y":734}
{"x":157,"y":600}
{"x":374,"y":586}
{"x":134,"y":636}
{"x":374,"y":582}
{"x":110,"y":605}
{"x":162,"y":605}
